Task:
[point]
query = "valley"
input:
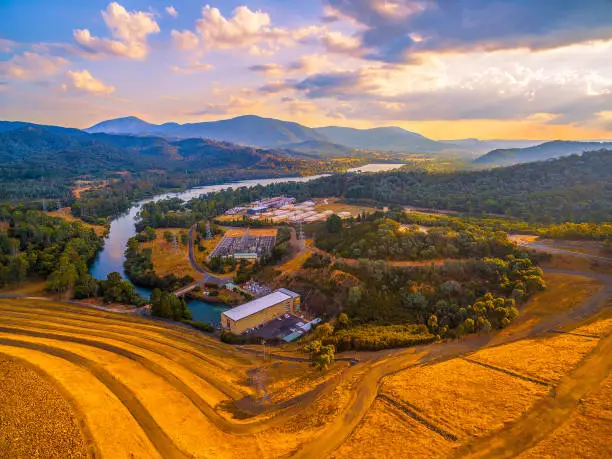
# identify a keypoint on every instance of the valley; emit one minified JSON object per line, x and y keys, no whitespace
{"x":330,"y":229}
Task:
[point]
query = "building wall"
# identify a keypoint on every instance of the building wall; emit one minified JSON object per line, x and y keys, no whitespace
{"x":238,"y":327}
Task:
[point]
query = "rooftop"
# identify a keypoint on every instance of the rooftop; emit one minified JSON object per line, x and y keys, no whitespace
{"x":259,"y":304}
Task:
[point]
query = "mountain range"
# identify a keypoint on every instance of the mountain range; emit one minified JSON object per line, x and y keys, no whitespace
{"x":272,"y":133}
{"x":544,"y":151}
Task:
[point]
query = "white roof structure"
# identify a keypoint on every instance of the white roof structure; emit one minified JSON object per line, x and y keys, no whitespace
{"x":259,"y":304}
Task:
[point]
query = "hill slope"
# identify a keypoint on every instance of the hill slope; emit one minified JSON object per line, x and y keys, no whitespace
{"x":385,"y":139}
{"x":271,"y":133}
{"x":43,"y":161}
{"x":572,"y":188}
{"x":244,"y":130}
{"x":548,"y":150}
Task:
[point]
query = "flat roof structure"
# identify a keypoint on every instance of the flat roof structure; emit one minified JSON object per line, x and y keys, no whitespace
{"x":259,"y":304}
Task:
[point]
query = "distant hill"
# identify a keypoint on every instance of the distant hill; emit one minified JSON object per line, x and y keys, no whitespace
{"x":480,"y":147}
{"x":382,"y":139}
{"x":320,"y":148}
{"x":44,"y":160}
{"x":6,"y":126}
{"x":548,"y":150}
{"x":572,"y":188}
{"x":244,"y":130}
{"x":272,"y":133}
{"x":127,"y":125}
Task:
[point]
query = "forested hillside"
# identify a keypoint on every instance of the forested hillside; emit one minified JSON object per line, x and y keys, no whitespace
{"x":548,"y":150}
{"x":574,"y":188}
{"x":42,"y":161}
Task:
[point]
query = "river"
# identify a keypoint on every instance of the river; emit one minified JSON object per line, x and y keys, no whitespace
{"x":122,"y":228}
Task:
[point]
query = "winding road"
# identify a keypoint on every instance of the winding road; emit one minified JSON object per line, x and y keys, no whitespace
{"x":200,"y":371}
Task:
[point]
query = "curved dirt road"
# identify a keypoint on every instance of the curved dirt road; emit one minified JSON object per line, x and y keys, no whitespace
{"x":368,"y":389}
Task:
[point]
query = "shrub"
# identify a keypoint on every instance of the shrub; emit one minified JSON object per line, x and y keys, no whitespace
{"x":378,"y":337}
{"x":202,"y":326}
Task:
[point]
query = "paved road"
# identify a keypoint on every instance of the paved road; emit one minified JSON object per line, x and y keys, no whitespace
{"x":208,"y":277}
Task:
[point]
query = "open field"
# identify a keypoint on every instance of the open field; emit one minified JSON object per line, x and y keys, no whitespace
{"x":168,"y":259}
{"x":66,"y":215}
{"x":448,"y":394}
{"x":586,"y":434}
{"x":175,"y":392}
{"x":27,"y":397}
{"x":255,"y":232}
{"x":564,"y":293}
{"x":387,"y":431}
{"x":336,"y":205}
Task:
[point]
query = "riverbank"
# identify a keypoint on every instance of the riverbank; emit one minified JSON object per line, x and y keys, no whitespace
{"x":123,"y":227}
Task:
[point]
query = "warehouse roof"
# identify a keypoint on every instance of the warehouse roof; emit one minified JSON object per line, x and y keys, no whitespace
{"x":252,"y":307}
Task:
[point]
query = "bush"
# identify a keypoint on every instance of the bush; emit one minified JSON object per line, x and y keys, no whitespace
{"x":378,"y":337}
{"x":202,"y":326}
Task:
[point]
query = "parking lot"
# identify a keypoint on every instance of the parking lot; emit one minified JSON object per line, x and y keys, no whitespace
{"x":278,"y":328}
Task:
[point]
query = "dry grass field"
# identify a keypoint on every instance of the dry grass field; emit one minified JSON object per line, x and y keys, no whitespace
{"x":586,"y":434}
{"x":124,"y":386}
{"x":463,"y":398}
{"x":387,"y":431}
{"x":546,"y":359}
{"x":168,"y":259}
{"x":336,"y":205}
{"x":255,"y":232}
{"x":564,"y":293}
{"x":65,"y":214}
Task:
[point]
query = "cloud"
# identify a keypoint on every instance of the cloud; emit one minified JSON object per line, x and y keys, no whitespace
{"x":394,"y":30}
{"x":193,"y":67}
{"x":275,"y":87}
{"x":337,"y":42}
{"x":245,"y":29}
{"x":185,"y":40}
{"x":235,"y":104}
{"x":6,"y":46}
{"x":305,"y":65}
{"x":31,"y":66}
{"x":268,"y":69}
{"x":510,"y":92}
{"x":172,"y":11}
{"x":130,"y":31}
{"x":83,"y":81}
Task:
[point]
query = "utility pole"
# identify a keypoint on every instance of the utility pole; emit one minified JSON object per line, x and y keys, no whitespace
{"x":208,"y":231}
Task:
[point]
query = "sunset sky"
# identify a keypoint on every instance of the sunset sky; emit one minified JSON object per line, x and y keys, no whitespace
{"x":444,"y":68}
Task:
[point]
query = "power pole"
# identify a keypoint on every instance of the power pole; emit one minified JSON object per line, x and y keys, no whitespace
{"x":208,"y":231}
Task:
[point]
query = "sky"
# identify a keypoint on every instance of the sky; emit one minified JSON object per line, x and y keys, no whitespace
{"x":447,"y":69}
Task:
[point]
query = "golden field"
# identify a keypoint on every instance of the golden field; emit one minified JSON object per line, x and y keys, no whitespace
{"x":168,"y":259}
{"x":175,"y":392}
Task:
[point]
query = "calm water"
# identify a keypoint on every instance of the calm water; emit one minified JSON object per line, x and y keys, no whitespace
{"x":111,"y":258}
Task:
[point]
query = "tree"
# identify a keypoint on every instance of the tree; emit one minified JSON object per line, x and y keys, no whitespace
{"x":150,"y":233}
{"x":432,"y":323}
{"x":323,"y":331}
{"x":333,"y":224}
{"x":343,"y":321}
{"x":321,"y":355}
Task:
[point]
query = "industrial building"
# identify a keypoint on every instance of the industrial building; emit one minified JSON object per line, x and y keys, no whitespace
{"x":260,"y":311}
{"x":249,"y":244}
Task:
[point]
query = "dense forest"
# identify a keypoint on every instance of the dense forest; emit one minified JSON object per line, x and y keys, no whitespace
{"x":36,"y":245}
{"x":45,"y":161}
{"x":387,"y":239}
{"x":574,"y":188}
{"x":479,"y":289}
